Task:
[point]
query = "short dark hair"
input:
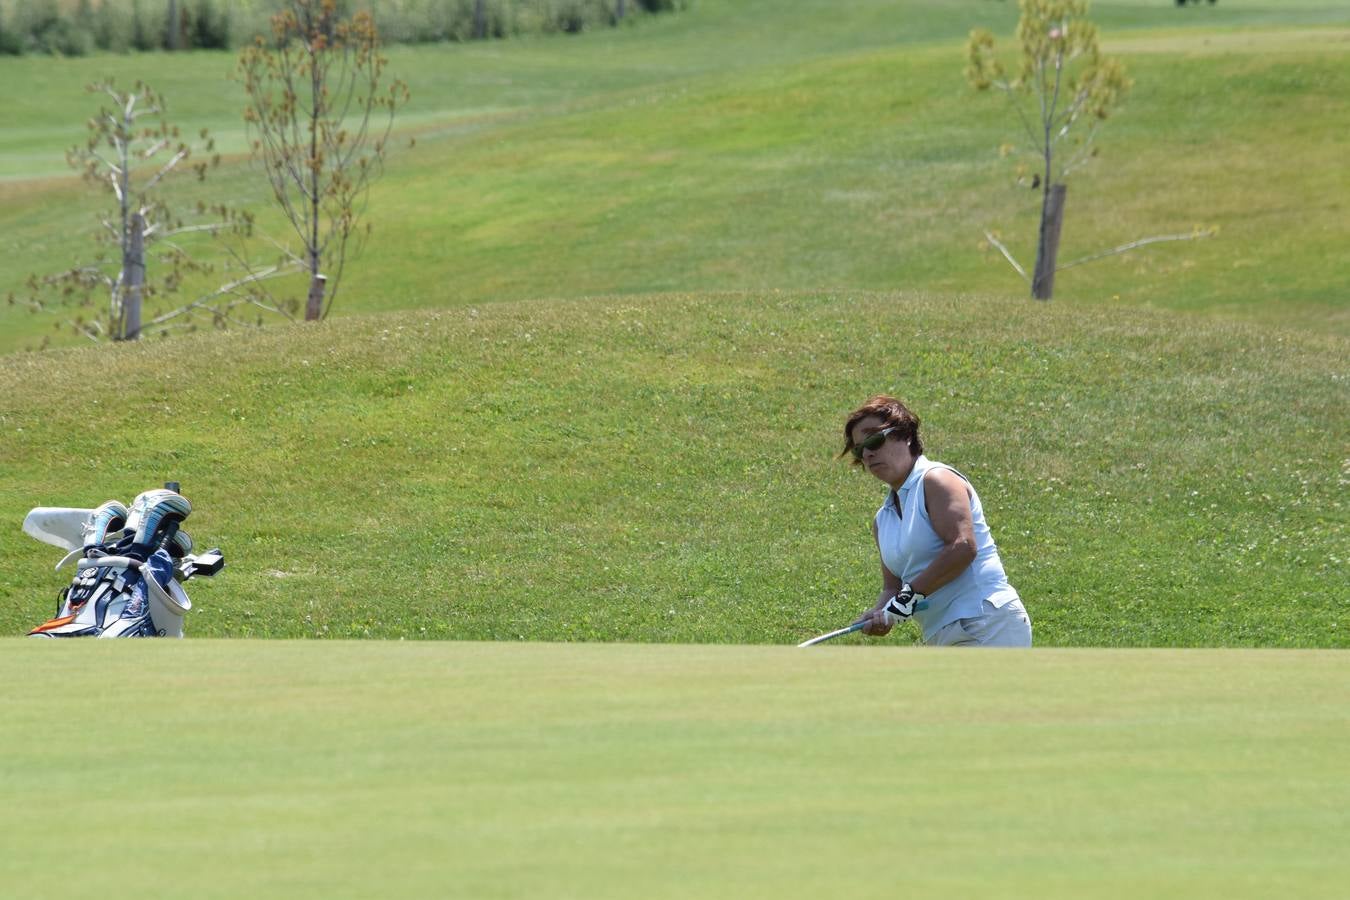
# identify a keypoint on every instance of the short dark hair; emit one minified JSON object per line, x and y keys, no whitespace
{"x":894,"y":414}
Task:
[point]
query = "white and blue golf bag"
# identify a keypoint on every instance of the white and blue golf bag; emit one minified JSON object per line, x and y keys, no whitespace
{"x":130,"y":566}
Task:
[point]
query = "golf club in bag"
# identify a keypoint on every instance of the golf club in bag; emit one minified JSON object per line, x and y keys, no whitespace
{"x":130,"y":566}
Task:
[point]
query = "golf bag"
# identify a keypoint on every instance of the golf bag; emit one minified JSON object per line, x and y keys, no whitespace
{"x":130,"y":566}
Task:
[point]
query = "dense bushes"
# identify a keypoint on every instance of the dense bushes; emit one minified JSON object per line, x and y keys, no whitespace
{"x":423,"y":21}
{"x":76,"y":27}
{"x":41,"y":26}
{"x":10,"y":44}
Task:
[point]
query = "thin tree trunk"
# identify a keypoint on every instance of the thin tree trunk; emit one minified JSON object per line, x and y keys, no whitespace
{"x":620,"y":10}
{"x":173,"y":28}
{"x":314,"y":310}
{"x":314,"y":303}
{"x":133,"y":235}
{"x":479,"y":20}
{"x":1047,"y":248}
{"x":134,"y":267}
{"x":1052,"y":196}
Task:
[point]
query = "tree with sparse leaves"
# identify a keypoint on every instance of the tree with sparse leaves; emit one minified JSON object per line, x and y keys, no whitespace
{"x":319,"y":114}
{"x":1062,"y":92}
{"x":132,"y":153}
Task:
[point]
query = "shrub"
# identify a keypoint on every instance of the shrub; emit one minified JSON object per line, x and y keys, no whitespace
{"x":43,"y":29}
{"x":112,"y":28}
{"x":10,"y":43}
{"x":147,"y":28}
{"x":570,"y":16}
{"x":210,"y":26}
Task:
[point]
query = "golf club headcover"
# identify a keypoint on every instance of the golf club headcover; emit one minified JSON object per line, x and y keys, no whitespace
{"x":110,"y":517}
{"x":152,"y":511}
{"x":902,"y":605}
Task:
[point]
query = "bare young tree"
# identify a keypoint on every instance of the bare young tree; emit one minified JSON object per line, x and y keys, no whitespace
{"x":1063,"y":92}
{"x":132,"y":152}
{"x":319,"y":116}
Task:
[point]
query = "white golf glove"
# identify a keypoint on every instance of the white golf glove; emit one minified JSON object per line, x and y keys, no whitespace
{"x":901,"y":606}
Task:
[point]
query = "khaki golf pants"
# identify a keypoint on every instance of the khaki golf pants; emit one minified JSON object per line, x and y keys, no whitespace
{"x":996,"y":626}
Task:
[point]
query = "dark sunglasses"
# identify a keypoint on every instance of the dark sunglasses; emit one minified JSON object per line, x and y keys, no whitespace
{"x":871,"y":442}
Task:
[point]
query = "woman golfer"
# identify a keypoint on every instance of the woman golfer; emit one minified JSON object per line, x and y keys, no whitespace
{"x":938,"y":559}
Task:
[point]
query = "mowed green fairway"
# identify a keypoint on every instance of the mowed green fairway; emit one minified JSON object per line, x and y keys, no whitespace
{"x":282,"y":769}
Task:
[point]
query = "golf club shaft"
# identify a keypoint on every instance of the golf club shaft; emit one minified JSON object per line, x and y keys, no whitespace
{"x":856,"y":626}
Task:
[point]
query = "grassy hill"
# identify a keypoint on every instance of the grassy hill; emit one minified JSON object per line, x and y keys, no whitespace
{"x":587,"y":379}
{"x":760,"y":145}
{"x":661,"y":468}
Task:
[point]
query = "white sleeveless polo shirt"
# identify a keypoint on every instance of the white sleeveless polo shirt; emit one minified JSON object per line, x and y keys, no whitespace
{"x":909,"y":544}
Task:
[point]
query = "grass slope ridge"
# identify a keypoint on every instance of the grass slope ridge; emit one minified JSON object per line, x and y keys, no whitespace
{"x":731,"y":149}
{"x":275,"y":769}
{"x":661,"y":468}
